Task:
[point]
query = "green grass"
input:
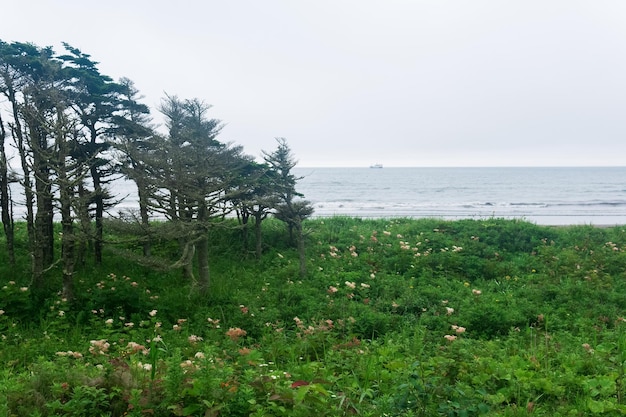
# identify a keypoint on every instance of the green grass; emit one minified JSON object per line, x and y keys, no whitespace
{"x":396,"y":317}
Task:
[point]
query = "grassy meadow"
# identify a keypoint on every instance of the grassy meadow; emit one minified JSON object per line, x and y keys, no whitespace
{"x":394,"y":318}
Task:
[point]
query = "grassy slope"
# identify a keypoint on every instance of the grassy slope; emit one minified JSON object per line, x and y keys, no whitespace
{"x":535,"y":314}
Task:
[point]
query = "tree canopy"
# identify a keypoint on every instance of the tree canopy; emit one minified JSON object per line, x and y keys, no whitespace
{"x":75,"y":130}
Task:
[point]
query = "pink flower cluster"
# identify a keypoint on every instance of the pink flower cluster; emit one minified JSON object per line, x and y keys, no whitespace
{"x":99,"y":347}
{"x":235,"y":333}
{"x":134,"y":347}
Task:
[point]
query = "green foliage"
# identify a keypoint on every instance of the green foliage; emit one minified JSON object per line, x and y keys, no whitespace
{"x":395,"y":317}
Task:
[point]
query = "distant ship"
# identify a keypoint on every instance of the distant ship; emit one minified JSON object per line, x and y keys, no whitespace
{"x":376,"y":166}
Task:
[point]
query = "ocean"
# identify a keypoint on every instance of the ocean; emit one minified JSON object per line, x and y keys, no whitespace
{"x":547,"y":196}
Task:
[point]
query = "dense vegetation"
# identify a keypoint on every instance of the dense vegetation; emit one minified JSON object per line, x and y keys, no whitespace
{"x":394,"y":317}
{"x":67,"y":131}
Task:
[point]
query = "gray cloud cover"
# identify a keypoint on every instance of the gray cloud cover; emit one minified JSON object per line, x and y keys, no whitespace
{"x":350,"y":83}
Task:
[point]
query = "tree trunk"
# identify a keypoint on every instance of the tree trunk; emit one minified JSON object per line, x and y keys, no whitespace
{"x":82,"y":247}
{"x":28,"y":190}
{"x":5,"y":198}
{"x":244,"y":218}
{"x":142,"y":193}
{"x":99,"y":214}
{"x":204,"y":275}
{"x":43,"y":251}
{"x":258,"y":218}
{"x":67,"y":222}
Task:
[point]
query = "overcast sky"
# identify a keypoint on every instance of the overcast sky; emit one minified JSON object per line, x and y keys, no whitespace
{"x":357,"y":82}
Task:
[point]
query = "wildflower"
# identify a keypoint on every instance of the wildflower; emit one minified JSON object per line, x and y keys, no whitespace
{"x":476,"y":292}
{"x":587,"y":347}
{"x":130,"y":324}
{"x":332,"y":290}
{"x":24,"y":289}
{"x":449,"y":311}
{"x":244,"y":351}
{"x":199,"y":355}
{"x":364,"y":285}
{"x":350,"y":285}
{"x":181,"y":321}
{"x":387,"y":233}
{"x":144,"y":366}
{"x":187,"y":364}
{"x":61,"y":313}
{"x":152,"y":313}
{"x":136,"y":347}
{"x":458,"y":329}
{"x":395,"y":305}
{"x":176,"y":328}
{"x":234,"y":333}
{"x":99,"y":347}
{"x":372,"y":275}
{"x":1,"y":312}
{"x":243,"y":309}
{"x":450,"y":338}
{"x":134,"y":284}
{"x":157,"y":338}
{"x":194,"y":339}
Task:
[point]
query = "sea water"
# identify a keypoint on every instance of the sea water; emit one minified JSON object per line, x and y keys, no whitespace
{"x":549,"y":196}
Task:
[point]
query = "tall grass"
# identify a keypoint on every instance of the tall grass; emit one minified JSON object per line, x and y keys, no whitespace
{"x":396,"y":317}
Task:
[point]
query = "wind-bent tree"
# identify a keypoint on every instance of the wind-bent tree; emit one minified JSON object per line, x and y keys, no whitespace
{"x":132,"y":134}
{"x":255,"y":198}
{"x":60,"y":109}
{"x":291,"y":208}
{"x":32,"y":80}
{"x":190,"y":173}
{"x":95,"y":99}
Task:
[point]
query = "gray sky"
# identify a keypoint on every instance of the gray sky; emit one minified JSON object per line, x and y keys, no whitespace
{"x":355,"y":82}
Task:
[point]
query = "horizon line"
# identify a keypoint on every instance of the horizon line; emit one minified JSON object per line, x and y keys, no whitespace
{"x":463,"y":166}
